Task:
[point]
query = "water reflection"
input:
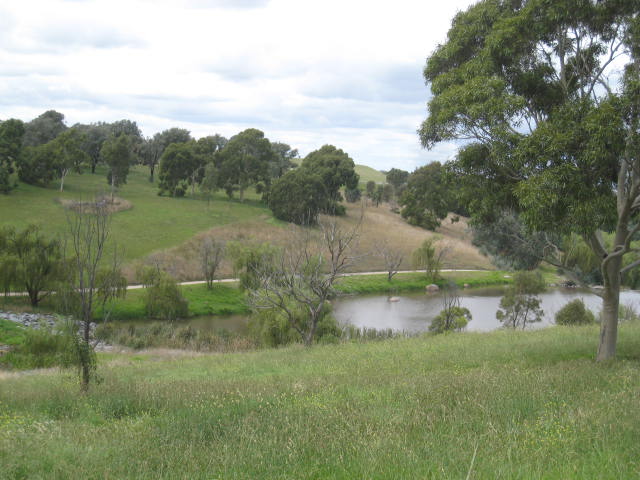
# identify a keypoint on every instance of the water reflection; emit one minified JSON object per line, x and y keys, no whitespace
{"x":414,"y":312}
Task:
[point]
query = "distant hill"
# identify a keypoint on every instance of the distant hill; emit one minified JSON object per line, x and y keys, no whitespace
{"x":367,"y":174}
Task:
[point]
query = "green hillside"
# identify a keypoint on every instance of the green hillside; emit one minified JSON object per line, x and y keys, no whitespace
{"x":501,"y":405}
{"x":367,"y":174}
{"x":151,"y":224}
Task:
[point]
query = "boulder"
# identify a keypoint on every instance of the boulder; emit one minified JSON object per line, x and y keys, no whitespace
{"x":393,"y":299}
{"x":432,"y":287}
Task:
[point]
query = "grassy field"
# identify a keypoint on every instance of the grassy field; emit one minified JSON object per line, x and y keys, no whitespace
{"x":503,"y":405}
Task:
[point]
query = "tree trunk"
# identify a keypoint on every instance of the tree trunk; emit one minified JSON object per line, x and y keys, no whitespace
{"x":151,"y":168}
{"x":241,"y":194}
{"x":113,"y":178}
{"x":610,"y":303}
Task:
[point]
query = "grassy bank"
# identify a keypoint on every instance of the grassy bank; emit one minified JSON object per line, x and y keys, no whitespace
{"x":416,"y":281}
{"x":499,"y":405}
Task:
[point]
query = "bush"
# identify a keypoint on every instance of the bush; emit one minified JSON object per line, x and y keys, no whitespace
{"x":575,"y":313}
{"x":42,"y":348}
{"x":452,"y":319}
{"x":271,"y":327}
{"x":163,"y":298}
{"x":628,"y":313}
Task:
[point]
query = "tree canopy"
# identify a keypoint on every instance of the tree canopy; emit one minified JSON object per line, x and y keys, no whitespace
{"x":553,"y":130}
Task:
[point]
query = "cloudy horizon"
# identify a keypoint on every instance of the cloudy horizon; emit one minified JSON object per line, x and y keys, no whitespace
{"x":306,"y":73}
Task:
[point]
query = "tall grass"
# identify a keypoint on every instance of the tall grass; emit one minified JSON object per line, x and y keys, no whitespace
{"x":499,"y":405}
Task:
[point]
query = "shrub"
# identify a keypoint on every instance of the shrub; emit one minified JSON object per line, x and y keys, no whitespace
{"x":452,"y":319}
{"x":628,"y":313}
{"x":575,"y":313}
{"x":163,"y":298}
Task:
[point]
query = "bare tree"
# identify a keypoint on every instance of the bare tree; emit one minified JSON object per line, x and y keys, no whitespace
{"x":392,"y":258}
{"x":91,"y":281}
{"x":304,"y":276}
{"x":211,"y":254}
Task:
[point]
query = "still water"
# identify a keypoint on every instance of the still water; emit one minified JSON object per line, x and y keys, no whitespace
{"x":413,"y":312}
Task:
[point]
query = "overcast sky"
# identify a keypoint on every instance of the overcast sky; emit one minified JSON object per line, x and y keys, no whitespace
{"x":345,"y":72}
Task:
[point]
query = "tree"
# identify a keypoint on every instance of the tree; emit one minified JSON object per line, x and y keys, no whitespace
{"x":245,"y":161}
{"x":118,"y":155}
{"x":30,"y":261}
{"x":151,"y":149}
{"x":68,"y":154}
{"x":36,"y":164}
{"x":250,"y":260}
{"x":210,"y":181}
{"x":453,"y":317}
{"x":211,"y":254}
{"x":555,"y":132}
{"x":397,"y":179}
{"x":575,"y":313}
{"x":302,"y":278}
{"x":336,"y":170}
{"x":426,"y":199}
{"x":163,"y":298}
{"x":43,"y":129}
{"x":179,"y":167}
{"x":298,"y":196}
{"x":91,"y":279}
{"x":94,"y":135}
{"x":11,"y":133}
{"x":428,"y":257}
{"x":521,"y":305}
{"x":391,"y":257}
{"x":370,"y":188}
{"x":509,"y":242}
{"x":282,"y":161}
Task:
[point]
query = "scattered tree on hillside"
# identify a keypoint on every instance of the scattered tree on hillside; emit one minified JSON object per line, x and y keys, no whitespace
{"x":11,"y":132}
{"x":68,"y":154}
{"x":426,"y":198}
{"x":210,"y":181}
{"x":397,"y":178}
{"x":299,"y":197}
{"x":179,"y":166}
{"x":336,"y":170}
{"x":94,"y":136}
{"x":250,"y":260}
{"x":283,"y":159}
{"x":43,"y":129}
{"x":244,"y":161}
{"x":536,"y":85}
{"x":117,"y":153}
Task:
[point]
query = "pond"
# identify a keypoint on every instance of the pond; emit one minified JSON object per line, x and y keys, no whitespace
{"x":413,"y":312}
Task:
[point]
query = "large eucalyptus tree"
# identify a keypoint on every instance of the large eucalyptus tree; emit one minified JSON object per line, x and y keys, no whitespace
{"x":546,"y":93}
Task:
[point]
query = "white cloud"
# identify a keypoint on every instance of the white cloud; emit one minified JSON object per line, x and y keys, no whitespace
{"x":344,"y":72}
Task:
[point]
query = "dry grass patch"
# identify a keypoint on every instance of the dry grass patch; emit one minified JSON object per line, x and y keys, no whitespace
{"x":117,"y":205}
{"x":378,"y":224}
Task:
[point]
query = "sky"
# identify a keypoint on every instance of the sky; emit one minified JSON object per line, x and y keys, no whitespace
{"x":306,"y":73}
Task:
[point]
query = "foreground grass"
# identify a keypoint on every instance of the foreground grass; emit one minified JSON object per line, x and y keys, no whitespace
{"x":499,"y":405}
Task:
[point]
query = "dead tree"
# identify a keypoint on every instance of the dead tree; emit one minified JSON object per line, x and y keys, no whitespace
{"x":391,"y":257}
{"x":304,"y":276}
